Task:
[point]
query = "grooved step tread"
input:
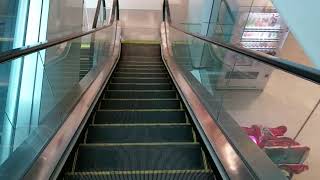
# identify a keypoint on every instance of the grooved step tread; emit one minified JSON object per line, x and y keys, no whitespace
{"x":139,"y":80}
{"x":136,"y":116}
{"x":139,"y":129}
{"x":129,"y":94}
{"x":140,"y":86}
{"x":132,"y":70}
{"x":139,"y":157}
{"x":141,"y":66}
{"x":139,"y":134}
{"x":140,"y":104}
{"x":144,"y":175}
{"x":140,"y":50}
{"x":118,"y":74}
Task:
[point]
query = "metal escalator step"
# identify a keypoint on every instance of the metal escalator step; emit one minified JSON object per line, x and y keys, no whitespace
{"x":140,"y":63}
{"x":139,"y":116}
{"x":117,"y":74}
{"x":144,"y":156}
{"x":140,"y":104}
{"x":146,"y":70}
{"x":140,"y":86}
{"x":140,"y":94}
{"x":143,"y":175}
{"x":141,"y":59}
{"x":139,"y":80}
{"x":143,"y":66}
{"x":141,"y":50}
{"x":139,"y":133}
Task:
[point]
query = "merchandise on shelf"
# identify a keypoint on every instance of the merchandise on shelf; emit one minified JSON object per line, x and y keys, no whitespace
{"x":263,"y":32}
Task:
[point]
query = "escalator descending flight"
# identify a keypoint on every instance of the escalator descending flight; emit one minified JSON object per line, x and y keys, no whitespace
{"x":140,"y":128}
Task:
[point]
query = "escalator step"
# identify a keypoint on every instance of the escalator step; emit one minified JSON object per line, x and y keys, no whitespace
{"x":140,"y":80}
{"x":140,"y":104}
{"x":141,"y":50}
{"x":140,"y":94}
{"x":136,"y":133}
{"x":146,"y":86}
{"x":126,"y":157}
{"x":142,"y":66}
{"x":116,"y":74}
{"x":140,"y":63}
{"x":144,"y":175}
{"x":141,"y":59}
{"x":142,"y":116}
{"x":139,"y":128}
{"x":132,"y":70}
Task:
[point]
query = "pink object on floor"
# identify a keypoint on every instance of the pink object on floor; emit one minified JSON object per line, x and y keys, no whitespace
{"x":278,"y":142}
{"x":294,"y":168}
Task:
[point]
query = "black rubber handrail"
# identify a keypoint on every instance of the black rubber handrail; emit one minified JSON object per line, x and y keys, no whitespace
{"x":18,"y":52}
{"x":305,"y":72}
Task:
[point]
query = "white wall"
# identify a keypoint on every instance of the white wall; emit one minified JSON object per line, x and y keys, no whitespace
{"x":141,"y":4}
{"x":303,"y":19}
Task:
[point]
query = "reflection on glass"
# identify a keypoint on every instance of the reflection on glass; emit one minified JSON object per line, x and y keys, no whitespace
{"x":8,"y":19}
{"x":253,"y":25}
{"x":39,"y":90}
{"x":26,"y":22}
{"x":253,"y":102}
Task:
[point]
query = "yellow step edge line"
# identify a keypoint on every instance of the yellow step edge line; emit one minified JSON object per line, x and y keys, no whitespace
{"x":142,"y":124}
{"x":149,"y":99}
{"x":194,"y":135}
{"x":142,"y":78}
{"x":140,"y":60}
{"x":124,"y":57}
{"x":204,"y":159}
{"x":169,"y":90}
{"x":140,"y":144}
{"x":144,"y":68}
{"x":74,"y":163}
{"x":85,"y":46}
{"x":139,"y":73}
{"x":140,"y":42}
{"x":141,"y":110}
{"x":144,"y":84}
{"x":141,"y":172}
{"x":141,"y":65}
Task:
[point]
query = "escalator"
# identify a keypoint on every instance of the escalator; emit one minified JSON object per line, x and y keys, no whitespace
{"x":140,"y":128}
{"x":182,"y":109}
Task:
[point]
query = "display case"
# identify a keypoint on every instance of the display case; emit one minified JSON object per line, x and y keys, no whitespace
{"x":264,"y":31}
{"x":260,"y":29}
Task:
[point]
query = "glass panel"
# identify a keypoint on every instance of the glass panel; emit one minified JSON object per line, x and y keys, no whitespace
{"x":27,"y":22}
{"x":39,"y":90}
{"x":89,"y":11}
{"x":252,"y":24}
{"x":8,"y":18}
{"x":254,"y":103}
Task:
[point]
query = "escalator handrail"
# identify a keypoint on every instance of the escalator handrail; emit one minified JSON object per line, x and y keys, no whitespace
{"x":18,"y":52}
{"x":305,"y":72}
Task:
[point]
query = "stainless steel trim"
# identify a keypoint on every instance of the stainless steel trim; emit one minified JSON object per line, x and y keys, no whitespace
{"x":232,"y":163}
{"x":45,"y":165}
